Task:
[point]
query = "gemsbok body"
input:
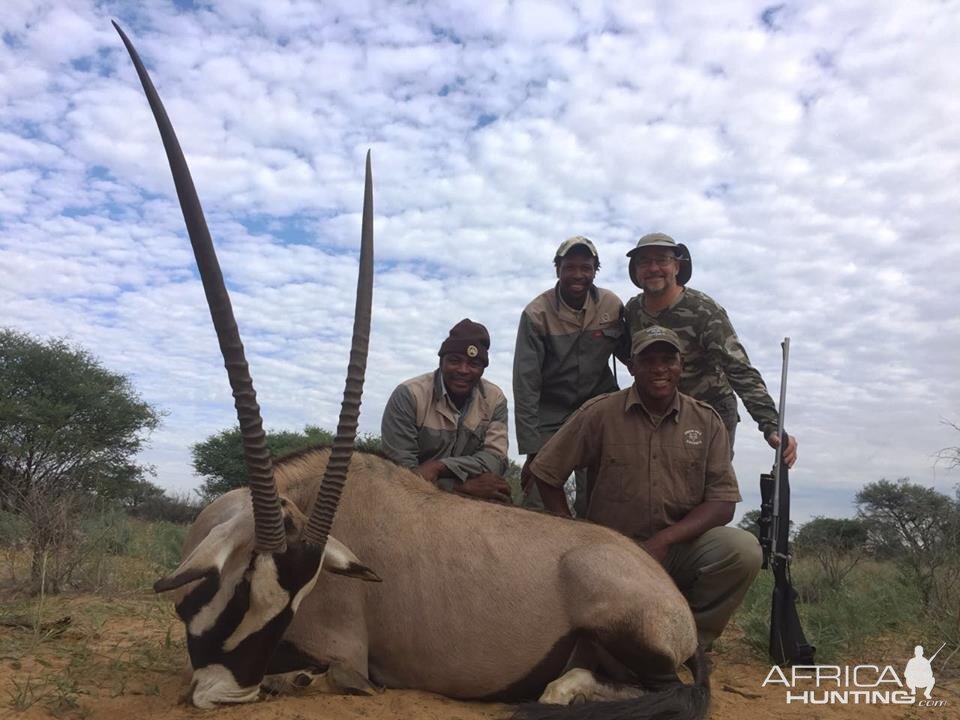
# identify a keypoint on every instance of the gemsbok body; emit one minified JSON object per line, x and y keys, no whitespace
{"x":424,"y":588}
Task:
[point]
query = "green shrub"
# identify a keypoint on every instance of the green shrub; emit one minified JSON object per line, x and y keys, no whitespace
{"x":178,"y":508}
{"x":873,"y":602}
{"x":105,"y":531}
{"x":13,"y":529}
{"x":159,"y":543}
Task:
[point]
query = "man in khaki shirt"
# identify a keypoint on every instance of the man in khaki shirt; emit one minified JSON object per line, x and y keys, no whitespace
{"x":562,"y":357}
{"x":450,"y":425}
{"x":663,"y":477}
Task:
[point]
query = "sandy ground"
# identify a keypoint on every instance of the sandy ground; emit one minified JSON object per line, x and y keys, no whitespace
{"x":121,"y":659}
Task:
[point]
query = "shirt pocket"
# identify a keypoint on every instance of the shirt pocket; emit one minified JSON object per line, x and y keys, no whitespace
{"x":470,"y":440}
{"x":606,"y":339}
{"x":433,"y":443}
{"x":688,"y":475}
{"x":619,"y":479}
{"x":612,"y":334}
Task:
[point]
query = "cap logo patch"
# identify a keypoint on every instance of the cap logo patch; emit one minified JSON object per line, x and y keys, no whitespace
{"x":693,"y":437}
{"x":655,"y":331}
{"x":472,"y":351}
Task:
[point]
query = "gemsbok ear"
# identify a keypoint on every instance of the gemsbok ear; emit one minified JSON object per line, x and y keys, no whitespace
{"x":339,"y":560}
{"x":209,"y":557}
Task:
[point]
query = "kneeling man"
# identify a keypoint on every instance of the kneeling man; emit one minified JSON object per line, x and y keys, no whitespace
{"x":663,"y":477}
{"x":450,"y":425}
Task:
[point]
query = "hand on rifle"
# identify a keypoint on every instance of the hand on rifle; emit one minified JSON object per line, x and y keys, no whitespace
{"x":789,"y":452}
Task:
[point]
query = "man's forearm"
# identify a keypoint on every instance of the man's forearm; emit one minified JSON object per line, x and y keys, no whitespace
{"x":705,"y":516}
{"x":465,"y":466}
{"x":554,"y":499}
{"x":432,"y":471}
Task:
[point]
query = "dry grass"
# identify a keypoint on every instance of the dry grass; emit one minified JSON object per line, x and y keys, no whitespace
{"x":67,"y":650}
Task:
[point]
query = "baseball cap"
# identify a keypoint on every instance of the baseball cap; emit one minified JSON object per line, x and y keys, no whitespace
{"x":642,"y":339}
{"x":570,"y":243}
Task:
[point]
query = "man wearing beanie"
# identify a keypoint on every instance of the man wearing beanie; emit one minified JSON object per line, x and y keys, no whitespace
{"x":662,"y":476}
{"x":562,"y":358}
{"x":715,"y":363}
{"x":450,"y":425}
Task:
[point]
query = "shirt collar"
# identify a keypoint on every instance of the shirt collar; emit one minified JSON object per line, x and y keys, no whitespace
{"x":633,"y":399}
{"x":440,"y":389}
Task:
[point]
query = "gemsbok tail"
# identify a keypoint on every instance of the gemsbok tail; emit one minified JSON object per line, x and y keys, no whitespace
{"x":683,"y":702}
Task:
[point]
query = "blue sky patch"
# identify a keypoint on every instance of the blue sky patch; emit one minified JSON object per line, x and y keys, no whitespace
{"x":484,"y":119}
{"x":770,"y":17}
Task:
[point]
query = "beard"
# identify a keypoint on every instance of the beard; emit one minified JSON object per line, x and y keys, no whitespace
{"x":658,"y":286}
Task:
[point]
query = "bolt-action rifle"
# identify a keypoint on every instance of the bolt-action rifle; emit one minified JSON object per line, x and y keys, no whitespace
{"x":788,"y":644}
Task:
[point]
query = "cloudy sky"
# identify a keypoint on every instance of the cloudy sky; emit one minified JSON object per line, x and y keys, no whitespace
{"x":807,"y":153}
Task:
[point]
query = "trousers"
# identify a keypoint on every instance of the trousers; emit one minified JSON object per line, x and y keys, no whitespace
{"x":714,"y":573}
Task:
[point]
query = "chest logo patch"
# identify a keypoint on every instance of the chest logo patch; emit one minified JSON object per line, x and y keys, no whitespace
{"x":605,"y":317}
{"x":693,"y":437}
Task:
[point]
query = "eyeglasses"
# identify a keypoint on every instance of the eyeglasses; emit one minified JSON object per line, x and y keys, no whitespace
{"x":661,"y":261}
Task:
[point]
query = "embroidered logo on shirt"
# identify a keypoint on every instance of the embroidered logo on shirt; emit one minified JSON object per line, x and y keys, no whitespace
{"x":693,"y":437}
{"x":472,"y":351}
{"x":605,"y":317}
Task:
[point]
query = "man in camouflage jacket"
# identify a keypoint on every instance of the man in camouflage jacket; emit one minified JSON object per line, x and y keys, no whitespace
{"x":562,"y":357}
{"x":450,"y":425}
{"x":715,"y":363}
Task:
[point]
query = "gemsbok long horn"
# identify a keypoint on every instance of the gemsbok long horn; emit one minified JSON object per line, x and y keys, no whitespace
{"x":268,"y":517}
{"x":325,"y":506}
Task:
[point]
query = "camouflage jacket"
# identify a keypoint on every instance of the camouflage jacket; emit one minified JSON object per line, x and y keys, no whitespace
{"x":562,"y":360}
{"x":715,"y":365}
{"x":420,"y":423}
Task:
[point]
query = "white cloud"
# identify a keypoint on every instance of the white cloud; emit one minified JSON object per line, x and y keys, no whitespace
{"x":810,"y":166}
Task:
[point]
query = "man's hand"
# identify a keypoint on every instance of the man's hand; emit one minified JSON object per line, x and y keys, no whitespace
{"x":430,"y":470}
{"x":554,"y":498}
{"x":705,"y":516}
{"x":790,"y":452}
{"x":526,"y":476}
{"x":658,"y":547}
{"x":488,"y":486}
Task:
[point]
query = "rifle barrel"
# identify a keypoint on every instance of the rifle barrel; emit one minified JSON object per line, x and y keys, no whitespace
{"x":781,"y":410}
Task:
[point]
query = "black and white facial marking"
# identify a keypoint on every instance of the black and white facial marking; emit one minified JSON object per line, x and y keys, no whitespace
{"x":242,"y":602}
{"x":232,"y":634}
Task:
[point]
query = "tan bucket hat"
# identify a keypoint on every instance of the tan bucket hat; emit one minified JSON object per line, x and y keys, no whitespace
{"x":658,"y":239}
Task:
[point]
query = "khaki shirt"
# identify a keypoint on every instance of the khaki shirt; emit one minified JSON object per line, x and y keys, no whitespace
{"x":561,"y":360}
{"x":421,"y":422}
{"x":649,"y":472}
